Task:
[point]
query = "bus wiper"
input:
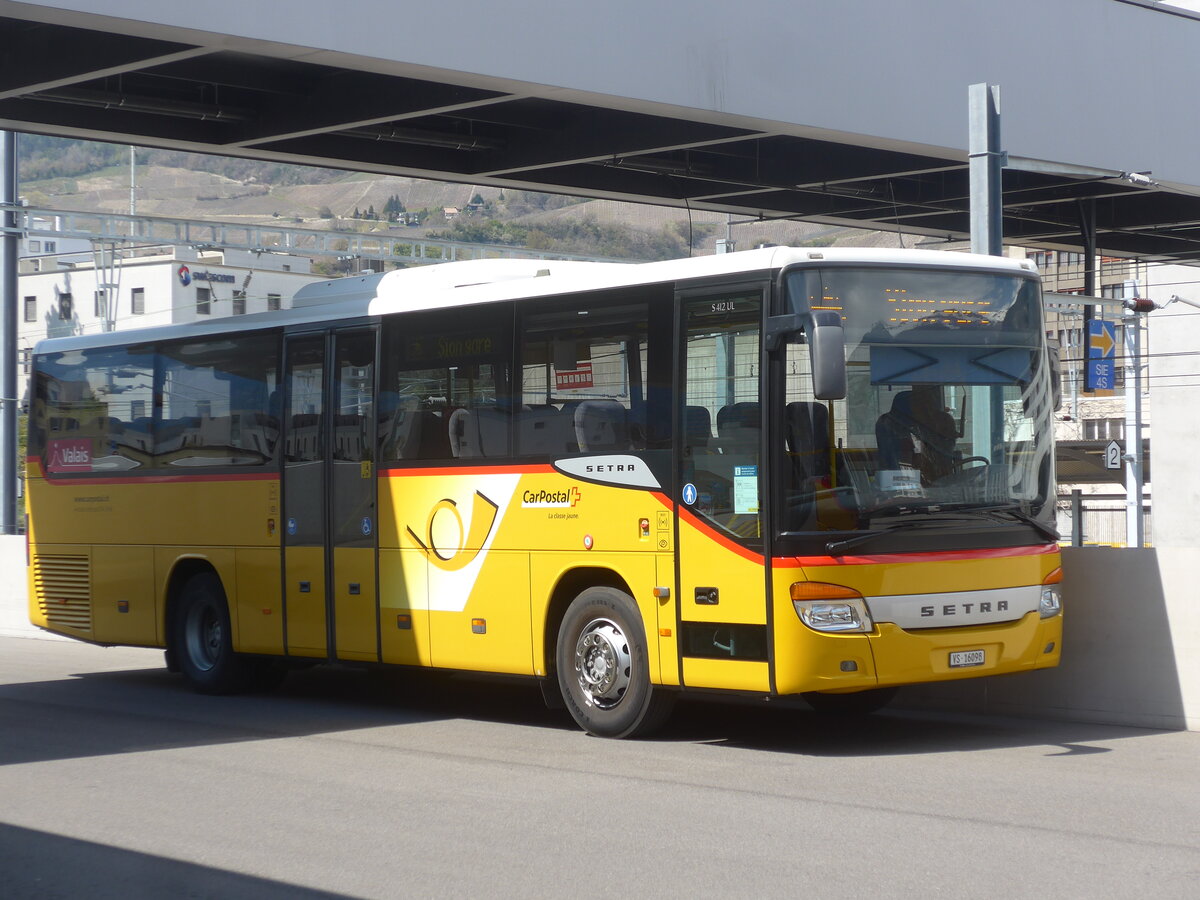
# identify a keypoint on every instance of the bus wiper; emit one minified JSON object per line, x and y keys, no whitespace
{"x":838,"y":548}
{"x":1049,"y":532}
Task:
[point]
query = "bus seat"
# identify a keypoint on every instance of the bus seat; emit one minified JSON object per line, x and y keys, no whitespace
{"x":808,"y":437}
{"x":431,"y":438}
{"x":739,"y":426}
{"x":479,"y":432}
{"x":541,"y":431}
{"x":697,"y":427}
{"x":464,"y":434}
{"x":601,"y":425}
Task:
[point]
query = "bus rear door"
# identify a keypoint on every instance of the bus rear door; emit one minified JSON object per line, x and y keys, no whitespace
{"x":329,"y":495}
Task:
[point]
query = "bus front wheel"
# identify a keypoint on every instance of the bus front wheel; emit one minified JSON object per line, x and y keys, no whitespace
{"x":203,"y":640}
{"x":603,"y":666}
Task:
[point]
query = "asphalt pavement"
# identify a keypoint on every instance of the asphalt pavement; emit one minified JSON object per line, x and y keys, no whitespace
{"x":116,"y":781}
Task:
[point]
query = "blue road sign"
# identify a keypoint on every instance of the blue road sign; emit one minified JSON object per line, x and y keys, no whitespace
{"x":1101,"y":370}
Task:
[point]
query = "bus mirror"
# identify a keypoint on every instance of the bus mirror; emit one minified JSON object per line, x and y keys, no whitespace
{"x":1054,"y":354}
{"x":827,"y":350}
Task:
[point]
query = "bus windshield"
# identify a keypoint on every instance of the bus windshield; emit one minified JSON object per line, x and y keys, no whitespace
{"x":948,"y":405}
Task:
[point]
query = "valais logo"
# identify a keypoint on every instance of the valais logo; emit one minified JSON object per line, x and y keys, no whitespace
{"x":185,"y":275}
{"x":70,"y":455}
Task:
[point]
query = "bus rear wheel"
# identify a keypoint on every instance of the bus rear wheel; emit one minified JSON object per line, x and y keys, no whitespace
{"x":603,"y":667}
{"x":203,"y":639}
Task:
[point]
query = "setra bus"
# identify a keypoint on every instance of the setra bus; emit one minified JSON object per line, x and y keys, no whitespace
{"x":778,"y":472}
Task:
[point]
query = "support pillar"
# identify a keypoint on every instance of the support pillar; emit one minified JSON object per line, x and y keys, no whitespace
{"x":9,"y":252}
{"x":986,"y":167}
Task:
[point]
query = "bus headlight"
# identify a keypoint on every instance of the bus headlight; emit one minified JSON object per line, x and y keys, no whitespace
{"x":830,"y":607}
{"x":1051,"y":603}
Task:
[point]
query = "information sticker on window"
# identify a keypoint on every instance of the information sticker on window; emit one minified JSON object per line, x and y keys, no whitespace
{"x":745,"y":490}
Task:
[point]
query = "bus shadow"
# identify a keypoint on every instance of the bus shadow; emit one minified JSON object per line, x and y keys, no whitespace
{"x":40,"y":864}
{"x":135,"y":710}
{"x":790,"y":727}
{"x":112,"y":712}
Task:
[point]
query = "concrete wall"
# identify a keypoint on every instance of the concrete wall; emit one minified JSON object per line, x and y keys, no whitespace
{"x":14,"y":620}
{"x":1131,"y":647}
{"x":892,"y":72}
{"x":1130,"y":655}
{"x":1174,"y":397}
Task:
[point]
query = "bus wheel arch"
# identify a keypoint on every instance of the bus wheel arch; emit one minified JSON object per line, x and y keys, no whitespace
{"x":569,"y":586}
{"x":602,"y":666}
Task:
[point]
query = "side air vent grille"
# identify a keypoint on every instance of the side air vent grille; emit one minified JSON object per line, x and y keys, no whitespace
{"x":63,"y":585}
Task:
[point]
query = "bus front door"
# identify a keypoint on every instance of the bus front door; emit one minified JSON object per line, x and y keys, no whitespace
{"x":329,"y":496}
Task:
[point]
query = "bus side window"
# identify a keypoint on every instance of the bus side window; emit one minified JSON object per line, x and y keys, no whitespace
{"x":446,"y":386}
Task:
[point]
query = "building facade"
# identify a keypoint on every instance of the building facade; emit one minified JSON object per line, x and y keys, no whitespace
{"x":80,"y":292}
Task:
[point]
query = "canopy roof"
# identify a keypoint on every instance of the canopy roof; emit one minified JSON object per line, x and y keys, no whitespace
{"x":82,"y":75}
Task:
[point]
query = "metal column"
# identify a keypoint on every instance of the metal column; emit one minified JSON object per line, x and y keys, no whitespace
{"x":986,"y":165}
{"x":1135,"y":522}
{"x":9,"y":251}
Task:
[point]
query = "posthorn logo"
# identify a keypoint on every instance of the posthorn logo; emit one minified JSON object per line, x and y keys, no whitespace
{"x":185,"y":275}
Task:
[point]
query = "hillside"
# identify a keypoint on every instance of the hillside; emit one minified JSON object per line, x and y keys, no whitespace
{"x":77,"y":175}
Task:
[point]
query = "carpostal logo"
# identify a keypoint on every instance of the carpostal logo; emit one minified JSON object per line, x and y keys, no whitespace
{"x":544,"y":499}
{"x":185,"y":275}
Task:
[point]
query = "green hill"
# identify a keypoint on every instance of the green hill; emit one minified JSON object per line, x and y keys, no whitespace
{"x":58,"y":173}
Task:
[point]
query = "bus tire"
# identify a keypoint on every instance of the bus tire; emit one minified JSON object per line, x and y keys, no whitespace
{"x":603,"y":667}
{"x":203,"y":641}
{"x":858,"y":703}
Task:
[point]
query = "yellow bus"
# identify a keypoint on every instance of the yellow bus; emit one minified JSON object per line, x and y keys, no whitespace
{"x":780,"y":472}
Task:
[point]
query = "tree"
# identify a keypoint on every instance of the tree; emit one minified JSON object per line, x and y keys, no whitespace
{"x":393,"y":209}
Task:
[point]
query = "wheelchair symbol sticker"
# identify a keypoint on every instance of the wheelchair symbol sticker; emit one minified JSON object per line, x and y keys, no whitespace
{"x":689,"y":493}
{"x":366,"y":526}
{"x":292,"y":526}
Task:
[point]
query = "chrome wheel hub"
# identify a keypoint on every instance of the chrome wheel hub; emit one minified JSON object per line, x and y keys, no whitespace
{"x":203,"y":637}
{"x":602,"y":663}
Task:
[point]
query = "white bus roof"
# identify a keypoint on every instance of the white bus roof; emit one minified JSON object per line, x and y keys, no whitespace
{"x":448,"y":285}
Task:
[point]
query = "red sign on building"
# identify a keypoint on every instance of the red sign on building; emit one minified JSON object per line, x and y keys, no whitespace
{"x":580,"y":377}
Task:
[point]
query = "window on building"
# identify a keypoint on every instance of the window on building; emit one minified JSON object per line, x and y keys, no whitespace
{"x":51,"y":246}
{"x":138,"y":301}
{"x":31,"y":309}
{"x":239,"y":303}
{"x":35,"y":246}
{"x":66,"y":307}
{"x":26,"y":357}
{"x":203,"y":302}
{"x":1104,"y":429}
{"x":273,"y":302}
{"x":98,"y":299}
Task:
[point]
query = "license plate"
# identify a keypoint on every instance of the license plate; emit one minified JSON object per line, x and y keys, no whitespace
{"x":962,"y":659}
